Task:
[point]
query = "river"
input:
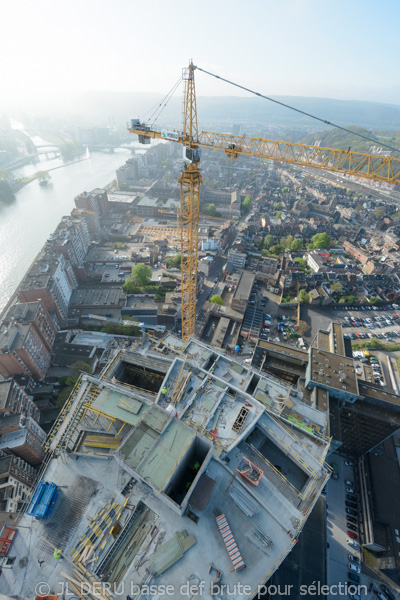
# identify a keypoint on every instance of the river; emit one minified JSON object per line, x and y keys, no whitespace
{"x":26,"y":224}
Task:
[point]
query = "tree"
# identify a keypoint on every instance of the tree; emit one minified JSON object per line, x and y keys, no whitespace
{"x":337,"y":287}
{"x":268,"y":241}
{"x":174,"y":262}
{"x":302,"y":327}
{"x":349,"y":299}
{"x":212,"y":211}
{"x":121,"y":329}
{"x":216,"y":299}
{"x":296,"y":245}
{"x":276,"y":249}
{"x":141,"y":274}
{"x":6,"y":192}
{"x":375,"y":300}
{"x":278,"y":215}
{"x":302,"y":263}
{"x":380,"y":212}
{"x":78,"y":367}
{"x":303,"y":297}
{"x":246,"y":204}
{"x":321,"y":240}
{"x":42,"y":176}
{"x":278,"y":206}
{"x":67,"y":382}
{"x":287,"y":241}
{"x":130,"y":287}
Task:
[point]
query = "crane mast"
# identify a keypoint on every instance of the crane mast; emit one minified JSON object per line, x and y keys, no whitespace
{"x":190,"y":181}
{"x":377,"y":167}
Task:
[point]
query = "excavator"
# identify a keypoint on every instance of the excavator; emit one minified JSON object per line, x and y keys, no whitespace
{"x":377,"y":167}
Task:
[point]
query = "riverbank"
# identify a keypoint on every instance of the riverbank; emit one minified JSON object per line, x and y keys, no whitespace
{"x":14,"y":295}
{"x":25,"y":180}
{"x":27,"y":222}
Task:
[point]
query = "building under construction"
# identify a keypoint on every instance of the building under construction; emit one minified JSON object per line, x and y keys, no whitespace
{"x":177,"y":465}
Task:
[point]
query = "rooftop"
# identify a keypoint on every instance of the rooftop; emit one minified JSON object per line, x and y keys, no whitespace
{"x":163,"y":423}
{"x":333,"y":371}
{"x":244,"y":286}
{"x":125,"y":198}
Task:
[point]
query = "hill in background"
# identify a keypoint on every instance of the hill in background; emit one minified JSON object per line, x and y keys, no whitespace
{"x":98,"y":107}
{"x":335,"y":138}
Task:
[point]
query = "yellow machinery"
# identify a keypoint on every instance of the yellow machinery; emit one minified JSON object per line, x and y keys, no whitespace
{"x":369,"y":166}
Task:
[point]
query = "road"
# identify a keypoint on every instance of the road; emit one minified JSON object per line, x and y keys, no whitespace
{"x":338,"y":550}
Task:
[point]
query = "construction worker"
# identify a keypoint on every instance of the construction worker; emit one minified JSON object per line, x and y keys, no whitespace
{"x":164,"y":390}
{"x":57,"y":554}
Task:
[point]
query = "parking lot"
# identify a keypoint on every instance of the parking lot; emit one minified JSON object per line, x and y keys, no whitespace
{"x":344,"y":556}
{"x":384,"y":325}
{"x":263,"y":318}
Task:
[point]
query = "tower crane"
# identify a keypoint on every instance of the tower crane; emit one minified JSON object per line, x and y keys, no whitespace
{"x":369,"y":166}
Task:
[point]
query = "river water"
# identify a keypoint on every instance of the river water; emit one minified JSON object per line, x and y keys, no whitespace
{"x":26,"y":224}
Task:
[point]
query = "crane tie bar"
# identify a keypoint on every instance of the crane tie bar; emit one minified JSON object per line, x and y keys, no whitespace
{"x":242,"y":87}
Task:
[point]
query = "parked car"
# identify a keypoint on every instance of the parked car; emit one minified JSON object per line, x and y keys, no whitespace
{"x":350,"y":511}
{"x":352,"y":527}
{"x":354,"y":558}
{"x":386,"y":591}
{"x":348,"y":463}
{"x":351,"y":519}
{"x":352,"y":543}
{"x":352,"y":535}
{"x":350,"y":483}
{"x":350,"y":490}
{"x":354,"y":568}
{"x":350,"y":504}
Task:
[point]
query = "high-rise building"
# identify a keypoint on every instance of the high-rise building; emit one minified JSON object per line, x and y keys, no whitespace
{"x":96,"y":200}
{"x":36,"y":314}
{"x":72,"y":239}
{"x":52,"y":281}
{"x":22,"y":351}
{"x":24,"y":438}
{"x":16,"y":481}
{"x":14,"y":400}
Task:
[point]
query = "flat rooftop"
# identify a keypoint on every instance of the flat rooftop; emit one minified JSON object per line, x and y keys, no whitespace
{"x":93,"y":297}
{"x":244,"y":286}
{"x":121,"y":198}
{"x":285,"y":350}
{"x":376,"y":392}
{"x":333,"y":371}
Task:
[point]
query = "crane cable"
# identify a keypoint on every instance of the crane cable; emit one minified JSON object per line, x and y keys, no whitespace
{"x":161,"y":105}
{"x":299,"y":110}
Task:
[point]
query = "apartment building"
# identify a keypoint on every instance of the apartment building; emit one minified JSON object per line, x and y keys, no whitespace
{"x":52,"y":281}
{"x":17,"y":478}
{"x":36,"y":314}
{"x":96,"y":201}
{"x":72,"y":239}
{"x":24,"y":438}
{"x":22,"y":351}
{"x":14,"y":400}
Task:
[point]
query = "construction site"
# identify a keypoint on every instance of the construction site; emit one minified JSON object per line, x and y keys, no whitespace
{"x":176,"y":465}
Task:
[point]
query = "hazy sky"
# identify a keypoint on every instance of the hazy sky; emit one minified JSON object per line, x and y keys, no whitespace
{"x":347,"y":49}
